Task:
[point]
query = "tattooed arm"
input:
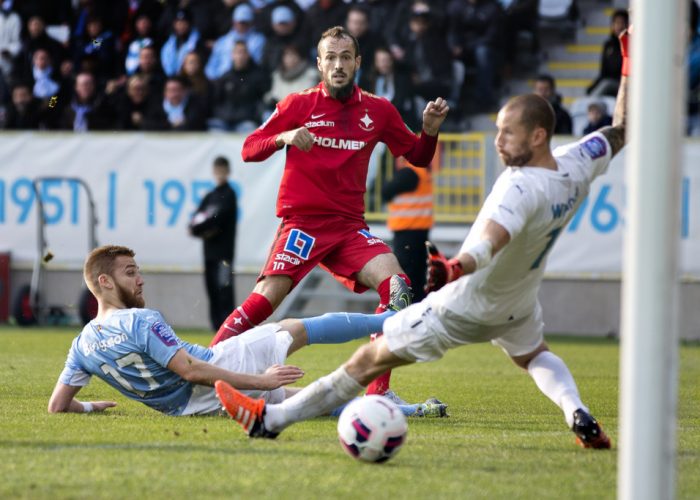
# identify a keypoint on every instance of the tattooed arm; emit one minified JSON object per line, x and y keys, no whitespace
{"x":617,"y":133}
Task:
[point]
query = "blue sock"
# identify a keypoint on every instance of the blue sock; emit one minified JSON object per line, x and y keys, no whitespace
{"x":408,"y":410}
{"x":335,"y":328}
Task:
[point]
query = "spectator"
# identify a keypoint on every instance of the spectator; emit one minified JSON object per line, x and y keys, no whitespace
{"x":286,"y":30}
{"x":10,"y":40}
{"x":608,"y":79}
{"x":193,"y":71}
{"x":597,"y":117}
{"x":238,"y":92}
{"x":132,"y":104}
{"x":293,"y":74}
{"x":215,"y":223}
{"x":428,"y":57}
{"x":519,"y":16}
{"x":241,"y":30}
{"x":398,"y":31}
{"x":135,"y":11}
{"x":37,"y":38}
{"x":183,"y":40}
{"x":25,"y":111}
{"x":392,"y":82}
{"x":357,"y":23}
{"x":179,"y":109}
{"x":546,"y":87}
{"x":152,"y":71}
{"x":205,"y":18}
{"x":322,"y":15}
{"x":95,"y":51}
{"x":87,"y":110}
{"x":143,"y":36}
{"x":475,"y":38}
{"x":46,"y":83}
{"x":263,"y":19}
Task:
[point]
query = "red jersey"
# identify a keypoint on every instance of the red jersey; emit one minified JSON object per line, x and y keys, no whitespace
{"x":331,"y":177}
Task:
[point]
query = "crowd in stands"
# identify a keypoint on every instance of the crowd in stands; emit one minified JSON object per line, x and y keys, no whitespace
{"x":224,"y":64}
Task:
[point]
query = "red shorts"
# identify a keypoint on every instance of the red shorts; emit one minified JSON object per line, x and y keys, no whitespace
{"x":340,"y":246}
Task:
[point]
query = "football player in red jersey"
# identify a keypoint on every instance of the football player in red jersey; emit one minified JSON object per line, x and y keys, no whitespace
{"x":329,"y":132}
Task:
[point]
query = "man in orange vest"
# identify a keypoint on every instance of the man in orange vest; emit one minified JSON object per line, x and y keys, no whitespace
{"x":410,"y":194}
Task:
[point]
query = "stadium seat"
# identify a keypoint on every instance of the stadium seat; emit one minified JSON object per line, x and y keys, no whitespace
{"x":579,"y":111}
{"x":559,"y":15}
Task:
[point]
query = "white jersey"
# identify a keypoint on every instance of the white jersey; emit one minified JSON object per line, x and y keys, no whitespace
{"x":534,"y":205}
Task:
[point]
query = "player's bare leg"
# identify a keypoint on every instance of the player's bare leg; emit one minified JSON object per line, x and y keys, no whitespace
{"x":267,"y":295}
{"x":377,"y":274}
{"x":554,"y":379}
{"x":318,"y":398}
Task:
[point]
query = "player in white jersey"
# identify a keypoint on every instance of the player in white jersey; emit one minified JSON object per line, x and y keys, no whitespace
{"x":493,"y":281}
{"x":134,"y":350}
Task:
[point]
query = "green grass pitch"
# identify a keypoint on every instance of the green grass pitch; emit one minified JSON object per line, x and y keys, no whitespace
{"x":503,"y":439}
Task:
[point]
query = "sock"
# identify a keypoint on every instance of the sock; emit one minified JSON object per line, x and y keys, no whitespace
{"x":253,"y":311}
{"x":554,"y":379}
{"x":382,"y":383}
{"x":335,"y":328}
{"x":318,"y":398}
{"x":407,"y":410}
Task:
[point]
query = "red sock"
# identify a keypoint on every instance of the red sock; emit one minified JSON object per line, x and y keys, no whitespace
{"x":253,"y":311}
{"x":381,"y":384}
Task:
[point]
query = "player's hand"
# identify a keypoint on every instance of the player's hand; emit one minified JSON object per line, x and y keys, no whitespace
{"x":279,"y":375}
{"x":102,"y":405}
{"x":625,"y":48}
{"x":434,"y":114}
{"x":300,"y":137}
{"x":441,"y":270}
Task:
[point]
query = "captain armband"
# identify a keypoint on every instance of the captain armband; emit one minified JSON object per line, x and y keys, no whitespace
{"x":481,"y":252}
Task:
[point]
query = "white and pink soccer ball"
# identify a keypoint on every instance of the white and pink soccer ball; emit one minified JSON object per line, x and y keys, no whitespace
{"x":372,"y":429}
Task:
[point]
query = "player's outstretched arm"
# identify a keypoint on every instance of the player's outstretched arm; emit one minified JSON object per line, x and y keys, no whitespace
{"x":63,"y":401}
{"x":200,"y":372}
{"x":441,"y":270}
{"x":617,"y":133}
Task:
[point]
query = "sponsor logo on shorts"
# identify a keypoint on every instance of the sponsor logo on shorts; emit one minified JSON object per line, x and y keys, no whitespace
{"x":299,"y":243}
{"x":283,"y":257}
{"x":594,"y":147}
{"x":164,"y":333}
{"x":371,"y":240}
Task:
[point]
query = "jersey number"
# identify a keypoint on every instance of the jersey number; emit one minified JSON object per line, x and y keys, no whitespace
{"x":131,"y":359}
{"x":552,"y":237}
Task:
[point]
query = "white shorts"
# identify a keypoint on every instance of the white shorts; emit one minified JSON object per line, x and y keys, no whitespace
{"x":424,"y":332}
{"x":252,"y":352}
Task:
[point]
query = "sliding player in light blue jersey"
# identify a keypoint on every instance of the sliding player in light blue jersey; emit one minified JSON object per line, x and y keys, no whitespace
{"x":134,"y":350}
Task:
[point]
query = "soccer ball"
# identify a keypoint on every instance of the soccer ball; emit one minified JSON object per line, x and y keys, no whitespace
{"x":372,"y":428}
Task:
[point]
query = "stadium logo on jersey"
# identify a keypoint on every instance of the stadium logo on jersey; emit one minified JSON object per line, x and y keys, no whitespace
{"x":333,"y":143}
{"x":164,"y":333}
{"x":371,"y":240}
{"x":319,"y":123}
{"x":299,"y":243}
{"x":366,"y":123}
{"x":595,"y":147}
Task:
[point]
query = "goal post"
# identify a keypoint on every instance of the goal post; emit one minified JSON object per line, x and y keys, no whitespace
{"x":649,"y":336}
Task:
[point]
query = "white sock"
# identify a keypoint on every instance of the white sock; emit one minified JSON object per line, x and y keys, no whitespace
{"x":554,"y":379}
{"x":318,"y":398}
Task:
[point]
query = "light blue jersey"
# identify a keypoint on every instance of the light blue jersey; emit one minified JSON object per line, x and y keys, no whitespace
{"x":130,"y":351}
